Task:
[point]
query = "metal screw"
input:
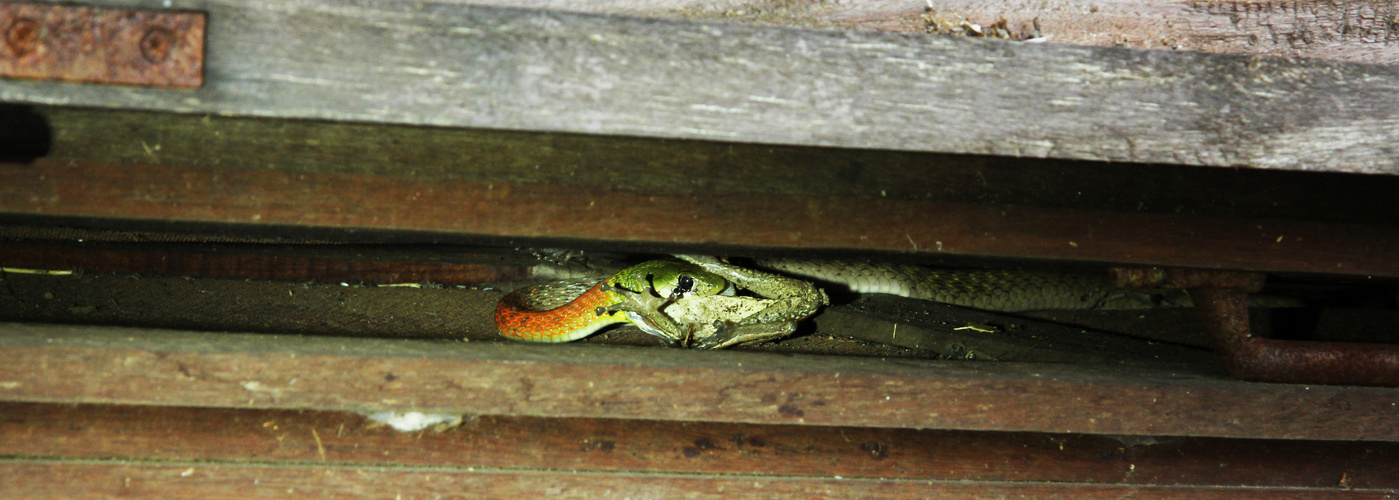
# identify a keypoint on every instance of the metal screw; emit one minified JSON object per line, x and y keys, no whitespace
{"x":23,"y":37}
{"x":157,"y":44}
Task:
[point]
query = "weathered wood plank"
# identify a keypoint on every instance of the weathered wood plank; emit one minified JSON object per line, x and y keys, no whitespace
{"x":1356,"y":31}
{"x":298,"y":437}
{"x":665,"y":166}
{"x":53,"y":479}
{"x":454,"y":65}
{"x":40,"y":363}
{"x":440,"y":209}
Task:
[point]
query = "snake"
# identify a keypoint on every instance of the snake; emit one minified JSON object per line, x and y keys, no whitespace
{"x":1002,"y":290}
{"x":568,"y":310}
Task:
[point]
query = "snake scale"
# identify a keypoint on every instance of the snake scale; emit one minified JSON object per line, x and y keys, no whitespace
{"x":991,"y":290}
{"x":572,"y":309}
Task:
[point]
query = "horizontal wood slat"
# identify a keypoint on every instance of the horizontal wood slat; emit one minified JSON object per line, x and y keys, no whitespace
{"x":43,"y":363}
{"x":300,"y":437}
{"x":445,"y":64}
{"x":238,"y":482}
{"x":1350,"y":31}
{"x":504,"y":211}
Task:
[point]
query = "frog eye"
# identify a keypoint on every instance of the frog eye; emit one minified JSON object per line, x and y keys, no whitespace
{"x":684,"y":285}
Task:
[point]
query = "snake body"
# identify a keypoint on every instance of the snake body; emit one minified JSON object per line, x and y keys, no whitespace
{"x":992,"y":290}
{"x":569,"y":310}
{"x":564,"y":311}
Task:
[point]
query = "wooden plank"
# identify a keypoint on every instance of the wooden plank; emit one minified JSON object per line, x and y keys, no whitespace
{"x":1354,"y":31}
{"x":309,"y":438}
{"x":475,"y":66}
{"x":436,"y":209}
{"x":72,"y":364}
{"x":1347,"y":31}
{"x":290,"y":263}
{"x":50,"y":479}
{"x":666,"y":166}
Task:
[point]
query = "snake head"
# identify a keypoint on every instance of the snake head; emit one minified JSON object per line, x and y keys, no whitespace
{"x":667,"y":279}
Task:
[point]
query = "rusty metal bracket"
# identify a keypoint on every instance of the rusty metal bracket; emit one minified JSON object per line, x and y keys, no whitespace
{"x":106,"y":46}
{"x":1221,"y":298}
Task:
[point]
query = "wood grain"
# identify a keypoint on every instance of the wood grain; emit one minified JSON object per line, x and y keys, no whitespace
{"x":430,"y":154}
{"x":471,"y":66}
{"x":37,"y":479}
{"x":280,"y":262}
{"x":72,"y":364}
{"x":440,"y":210}
{"x":1357,"y":31}
{"x":314,"y":438}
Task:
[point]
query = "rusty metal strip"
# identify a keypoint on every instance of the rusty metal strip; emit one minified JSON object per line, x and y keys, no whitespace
{"x":1221,"y":298}
{"x":73,"y":364}
{"x":105,"y":46}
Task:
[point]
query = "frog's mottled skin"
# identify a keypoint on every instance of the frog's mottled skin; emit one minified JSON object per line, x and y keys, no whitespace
{"x":721,"y":321}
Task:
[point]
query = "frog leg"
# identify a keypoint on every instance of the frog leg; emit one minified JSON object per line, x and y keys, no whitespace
{"x":731,"y":335}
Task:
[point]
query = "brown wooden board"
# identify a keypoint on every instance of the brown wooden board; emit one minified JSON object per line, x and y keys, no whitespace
{"x":440,"y":64}
{"x":509,"y":210}
{"x":653,"y":166}
{"x":292,"y":263}
{"x":38,"y":479}
{"x":338,"y":439}
{"x":71,"y":364}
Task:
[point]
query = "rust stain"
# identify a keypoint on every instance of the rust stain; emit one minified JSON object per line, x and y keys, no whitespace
{"x":105,"y":46}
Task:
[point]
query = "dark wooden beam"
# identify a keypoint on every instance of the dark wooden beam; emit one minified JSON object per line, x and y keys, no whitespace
{"x":106,"y":479}
{"x":299,"y":438}
{"x":334,"y":263}
{"x":447,"y":64}
{"x":72,"y":364}
{"x":670,"y":220}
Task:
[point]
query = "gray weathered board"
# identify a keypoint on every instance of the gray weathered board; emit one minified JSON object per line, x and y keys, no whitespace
{"x":455,"y":65}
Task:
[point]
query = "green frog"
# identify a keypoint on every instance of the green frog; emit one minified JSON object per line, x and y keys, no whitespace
{"x":717,"y":321}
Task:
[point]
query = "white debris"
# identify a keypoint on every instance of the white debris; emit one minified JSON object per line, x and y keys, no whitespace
{"x":413,"y":421}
